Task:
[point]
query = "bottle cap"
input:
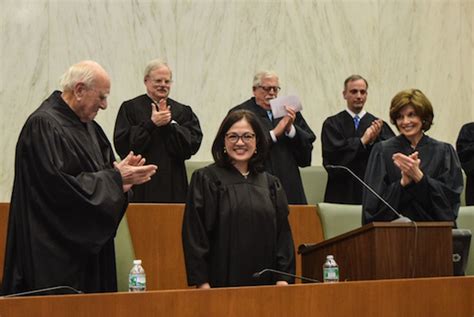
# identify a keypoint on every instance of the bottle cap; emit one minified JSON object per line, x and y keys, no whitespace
{"x":330,"y":257}
{"x":137,"y":262}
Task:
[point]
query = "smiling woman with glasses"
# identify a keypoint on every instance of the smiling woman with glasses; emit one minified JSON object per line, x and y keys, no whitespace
{"x":236,"y":216}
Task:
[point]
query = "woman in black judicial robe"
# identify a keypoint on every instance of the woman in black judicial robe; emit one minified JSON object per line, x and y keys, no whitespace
{"x":419,"y":176}
{"x":236,"y":216}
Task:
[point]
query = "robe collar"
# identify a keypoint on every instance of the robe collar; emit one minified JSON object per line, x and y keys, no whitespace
{"x":424,"y":139}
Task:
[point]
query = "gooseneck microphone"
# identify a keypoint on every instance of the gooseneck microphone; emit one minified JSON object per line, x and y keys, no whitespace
{"x":63,"y":289}
{"x":307,"y":279}
{"x":400,"y":218}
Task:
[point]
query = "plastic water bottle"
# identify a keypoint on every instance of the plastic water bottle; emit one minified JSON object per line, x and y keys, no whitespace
{"x":137,"y":277}
{"x":330,"y":270}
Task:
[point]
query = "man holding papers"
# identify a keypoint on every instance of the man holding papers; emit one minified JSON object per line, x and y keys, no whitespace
{"x":291,"y":137}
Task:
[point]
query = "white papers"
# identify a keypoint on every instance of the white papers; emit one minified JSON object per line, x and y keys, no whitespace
{"x":278,"y":105}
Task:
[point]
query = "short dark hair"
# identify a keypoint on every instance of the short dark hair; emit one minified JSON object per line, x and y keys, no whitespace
{"x":256,"y":163}
{"x":354,"y":78}
{"x":419,"y":102}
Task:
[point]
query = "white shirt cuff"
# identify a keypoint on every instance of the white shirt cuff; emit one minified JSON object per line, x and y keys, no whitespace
{"x":292,"y":132}
{"x":274,"y":138}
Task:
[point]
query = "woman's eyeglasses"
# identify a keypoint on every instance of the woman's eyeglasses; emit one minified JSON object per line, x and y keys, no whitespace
{"x":234,"y":137}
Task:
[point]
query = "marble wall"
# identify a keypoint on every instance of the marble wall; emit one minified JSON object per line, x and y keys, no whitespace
{"x":215,"y":47}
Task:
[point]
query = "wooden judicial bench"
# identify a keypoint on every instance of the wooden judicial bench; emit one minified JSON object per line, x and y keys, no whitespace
{"x":156,"y":235}
{"x":155,"y":230}
{"x":433,"y":297}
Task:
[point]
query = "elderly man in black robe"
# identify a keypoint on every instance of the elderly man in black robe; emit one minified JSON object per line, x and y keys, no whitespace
{"x":69,"y":194}
{"x":290,"y":136}
{"x":163,"y":131}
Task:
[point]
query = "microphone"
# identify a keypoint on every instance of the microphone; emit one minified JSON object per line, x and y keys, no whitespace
{"x":401,"y":218}
{"x":69,"y":289}
{"x":307,"y":279}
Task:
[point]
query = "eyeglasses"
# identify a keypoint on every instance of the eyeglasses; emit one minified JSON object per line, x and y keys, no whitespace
{"x":270,"y":88}
{"x":234,"y":137}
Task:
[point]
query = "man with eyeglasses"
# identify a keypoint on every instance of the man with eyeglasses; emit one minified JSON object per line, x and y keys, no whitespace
{"x":347,"y":139}
{"x":291,"y":137}
{"x":164,"y":131}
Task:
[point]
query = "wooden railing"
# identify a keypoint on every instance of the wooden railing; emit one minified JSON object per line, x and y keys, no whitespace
{"x":433,"y":297}
{"x":156,"y":234}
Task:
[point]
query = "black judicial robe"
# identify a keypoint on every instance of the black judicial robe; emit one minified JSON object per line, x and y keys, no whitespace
{"x":465,"y":149}
{"x":435,"y":198}
{"x":341,"y":145}
{"x":66,"y":204}
{"x":167,"y":146}
{"x":234,"y":227}
{"x":287,"y":154}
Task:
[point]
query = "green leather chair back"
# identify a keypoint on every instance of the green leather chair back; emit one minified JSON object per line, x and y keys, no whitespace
{"x":314,"y":182}
{"x":339,"y":218}
{"x":191,"y":166}
{"x":466,"y":221}
{"x":124,"y":254}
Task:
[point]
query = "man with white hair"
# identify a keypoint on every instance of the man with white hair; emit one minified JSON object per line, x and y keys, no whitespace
{"x":290,"y":137}
{"x":69,"y":194}
{"x":163,"y":131}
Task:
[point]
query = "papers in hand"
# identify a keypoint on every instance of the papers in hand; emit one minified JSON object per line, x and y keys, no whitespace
{"x":278,"y":105}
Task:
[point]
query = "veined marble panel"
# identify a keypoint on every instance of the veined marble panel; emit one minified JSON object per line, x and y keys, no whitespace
{"x":421,"y":47}
{"x":121,"y":35}
{"x":221,"y":46}
{"x":24,"y":76}
{"x":215,"y":46}
{"x":326,"y":42}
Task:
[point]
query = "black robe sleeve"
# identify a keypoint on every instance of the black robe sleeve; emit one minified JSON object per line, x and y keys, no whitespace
{"x":184,"y":139}
{"x":340,"y":149}
{"x":376,"y":177}
{"x":82,"y":206}
{"x":302,"y":144}
{"x":66,"y":205}
{"x":285,"y":257}
{"x":131,"y":133}
{"x":198,"y":223}
{"x":465,"y":149}
{"x":134,"y":130}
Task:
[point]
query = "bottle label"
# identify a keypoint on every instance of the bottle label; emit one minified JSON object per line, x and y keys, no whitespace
{"x":331,"y":274}
{"x":137,"y":281}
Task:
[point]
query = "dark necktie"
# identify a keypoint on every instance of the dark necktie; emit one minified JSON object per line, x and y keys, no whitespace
{"x":270,"y":115}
